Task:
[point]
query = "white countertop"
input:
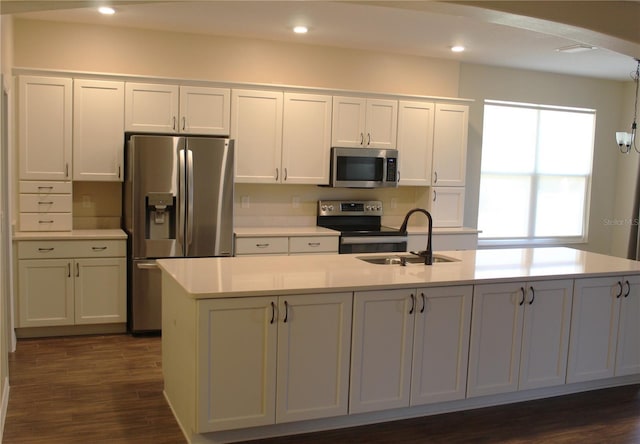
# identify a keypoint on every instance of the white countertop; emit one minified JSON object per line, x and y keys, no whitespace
{"x":70,"y":235}
{"x":278,"y":275}
{"x":284,"y":231}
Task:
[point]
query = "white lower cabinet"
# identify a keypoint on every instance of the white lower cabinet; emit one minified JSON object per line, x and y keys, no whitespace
{"x":605,"y":336}
{"x":58,"y":286}
{"x":519,"y":336}
{"x":268,"y":360}
{"x":409,"y":347}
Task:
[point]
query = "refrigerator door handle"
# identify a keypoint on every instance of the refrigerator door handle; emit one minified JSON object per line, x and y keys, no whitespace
{"x":182,"y":198}
{"x":189,"y":199}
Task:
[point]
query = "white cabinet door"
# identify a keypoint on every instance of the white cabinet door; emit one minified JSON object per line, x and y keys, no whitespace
{"x":314,"y":338}
{"x":381,"y":350}
{"x":545,"y":339}
{"x":594,"y":328}
{"x":441,"y":344}
{"x":205,"y":110}
{"x":44,"y":128}
{"x":236,"y":367}
{"x":496,"y":339}
{"x":348,"y":122}
{"x":415,"y":142}
{"x":100,"y":291}
{"x":450,"y":145}
{"x":45,"y":293}
{"x":628,"y":349}
{"x":151,"y":108}
{"x":306,"y":138}
{"x":256,"y":127}
{"x":98,"y":129}
{"x":381,"y":123}
{"x":447,"y":206}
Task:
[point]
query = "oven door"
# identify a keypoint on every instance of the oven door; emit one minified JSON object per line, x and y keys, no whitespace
{"x":372,"y":244}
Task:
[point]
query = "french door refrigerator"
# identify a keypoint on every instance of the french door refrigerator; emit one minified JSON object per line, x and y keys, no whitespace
{"x":177,"y":202}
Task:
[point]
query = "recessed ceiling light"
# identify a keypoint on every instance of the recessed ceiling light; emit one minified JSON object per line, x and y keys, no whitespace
{"x":579,"y":47}
{"x":106,"y":10}
{"x":300,"y":29}
{"x":457,"y":48}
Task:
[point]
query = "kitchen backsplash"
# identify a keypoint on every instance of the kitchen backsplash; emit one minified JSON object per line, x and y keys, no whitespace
{"x":99,"y":204}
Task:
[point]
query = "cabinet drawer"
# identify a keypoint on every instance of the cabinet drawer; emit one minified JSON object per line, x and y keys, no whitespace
{"x":262,"y":245}
{"x":71,"y":249}
{"x":52,"y":203}
{"x":44,"y":188}
{"x":313,"y":244}
{"x":45,"y":221}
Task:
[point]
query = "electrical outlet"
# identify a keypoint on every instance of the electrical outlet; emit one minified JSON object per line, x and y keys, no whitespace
{"x":244,"y":202}
{"x":295,"y":202}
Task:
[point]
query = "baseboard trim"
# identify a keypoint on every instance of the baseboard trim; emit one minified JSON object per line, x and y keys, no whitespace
{"x":4,"y":406}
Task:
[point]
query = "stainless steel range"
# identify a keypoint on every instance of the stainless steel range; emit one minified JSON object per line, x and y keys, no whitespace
{"x":359,"y":224}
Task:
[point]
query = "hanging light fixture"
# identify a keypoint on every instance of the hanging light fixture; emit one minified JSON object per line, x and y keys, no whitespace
{"x":627,"y":140}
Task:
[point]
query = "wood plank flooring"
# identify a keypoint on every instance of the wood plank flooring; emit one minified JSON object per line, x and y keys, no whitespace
{"x":108,"y":389}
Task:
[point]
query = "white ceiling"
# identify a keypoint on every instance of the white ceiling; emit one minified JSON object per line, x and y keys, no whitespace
{"x":425,"y":28}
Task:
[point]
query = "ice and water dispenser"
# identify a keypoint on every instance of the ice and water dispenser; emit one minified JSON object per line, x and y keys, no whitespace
{"x":160,"y":216}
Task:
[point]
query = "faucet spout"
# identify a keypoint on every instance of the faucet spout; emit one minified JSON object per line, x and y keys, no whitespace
{"x":428,"y":253}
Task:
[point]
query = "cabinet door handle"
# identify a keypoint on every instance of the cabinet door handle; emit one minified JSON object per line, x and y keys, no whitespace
{"x":46,"y":250}
{"x":286,"y":311}
{"x":184,"y":123}
{"x":361,"y":138}
{"x":118,"y":171}
{"x":413,"y":303}
{"x":626,"y":294}
{"x":77,"y":269}
{"x":522,"y":291}
{"x":435,"y":177}
{"x":533,"y":295}
{"x":66,"y":170}
{"x":435,"y":195}
{"x":68,"y":269}
{"x":174,"y":123}
{"x":98,"y":248}
{"x":273,"y":312}
{"x":277,"y":174}
{"x":424,"y":302}
{"x":620,"y":292}
{"x":368,"y":139}
{"x":286,"y":173}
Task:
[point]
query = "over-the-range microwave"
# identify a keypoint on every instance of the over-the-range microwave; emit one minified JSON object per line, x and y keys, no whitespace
{"x":364,"y":168}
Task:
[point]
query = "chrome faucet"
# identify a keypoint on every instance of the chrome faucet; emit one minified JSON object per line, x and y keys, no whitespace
{"x":428,"y":253}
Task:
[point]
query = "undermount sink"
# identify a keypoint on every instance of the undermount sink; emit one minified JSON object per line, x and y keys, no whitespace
{"x":398,"y":259}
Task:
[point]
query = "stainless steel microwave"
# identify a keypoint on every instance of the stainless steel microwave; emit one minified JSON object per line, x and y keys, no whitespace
{"x":364,"y":168}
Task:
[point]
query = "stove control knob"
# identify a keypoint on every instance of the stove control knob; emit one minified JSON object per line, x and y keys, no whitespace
{"x":323,"y":208}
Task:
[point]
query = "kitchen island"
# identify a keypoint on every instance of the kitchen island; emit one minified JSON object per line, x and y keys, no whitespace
{"x":256,"y":347}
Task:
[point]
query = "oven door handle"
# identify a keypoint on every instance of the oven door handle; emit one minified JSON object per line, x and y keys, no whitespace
{"x":353,"y":240}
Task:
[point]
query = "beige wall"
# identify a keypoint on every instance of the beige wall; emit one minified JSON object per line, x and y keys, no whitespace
{"x":92,"y":48}
{"x":605,"y":96}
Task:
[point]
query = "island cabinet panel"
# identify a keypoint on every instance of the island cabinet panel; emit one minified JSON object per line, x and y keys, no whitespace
{"x":519,"y":336}
{"x":605,"y":336}
{"x":441,"y":344}
{"x":314,"y":335}
{"x":268,"y":360}
{"x":236,"y":367}
{"x":381,"y":354}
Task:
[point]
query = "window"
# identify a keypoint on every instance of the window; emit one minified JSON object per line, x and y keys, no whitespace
{"x":535,"y":173}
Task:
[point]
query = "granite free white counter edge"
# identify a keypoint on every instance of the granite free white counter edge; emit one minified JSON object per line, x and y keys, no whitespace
{"x":278,"y":275}
{"x":70,"y":235}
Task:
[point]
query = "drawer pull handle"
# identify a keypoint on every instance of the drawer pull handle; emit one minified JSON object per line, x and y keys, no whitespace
{"x":45,"y":188}
{"x":45,"y":203}
{"x":314,"y":244}
{"x":98,"y":248}
{"x":46,"y":250}
{"x":262,"y":245}
{"x":45,"y":221}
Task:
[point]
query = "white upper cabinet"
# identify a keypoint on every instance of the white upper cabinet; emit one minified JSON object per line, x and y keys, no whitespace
{"x":447,"y":206}
{"x":177,"y":109}
{"x":45,"y":128}
{"x":306,"y":138}
{"x":98,"y":130}
{"x":415,"y":142}
{"x":151,"y":108}
{"x":450,"y":145}
{"x":205,"y":110}
{"x":367,"y":123}
{"x":256,"y":127}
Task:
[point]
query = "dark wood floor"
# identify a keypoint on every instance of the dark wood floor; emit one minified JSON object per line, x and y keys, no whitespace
{"x":108,"y":389}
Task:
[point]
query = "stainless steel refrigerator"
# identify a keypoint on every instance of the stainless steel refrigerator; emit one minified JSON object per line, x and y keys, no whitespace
{"x":178,"y":202}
